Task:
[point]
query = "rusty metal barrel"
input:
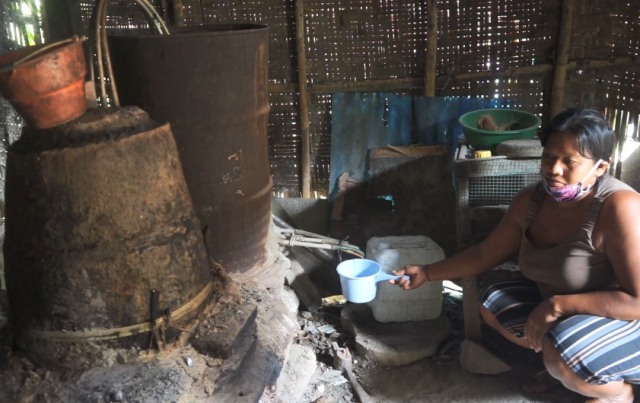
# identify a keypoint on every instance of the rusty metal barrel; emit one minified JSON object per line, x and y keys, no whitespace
{"x":210,"y":83}
{"x":100,"y":227}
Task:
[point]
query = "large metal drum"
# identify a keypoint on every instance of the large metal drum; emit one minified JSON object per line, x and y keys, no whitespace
{"x":210,"y":83}
{"x":99,"y":220}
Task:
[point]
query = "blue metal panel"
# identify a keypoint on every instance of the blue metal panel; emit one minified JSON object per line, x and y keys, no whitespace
{"x":361,"y":122}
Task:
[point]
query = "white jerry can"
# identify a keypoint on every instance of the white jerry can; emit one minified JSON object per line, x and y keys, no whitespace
{"x":392,"y":303}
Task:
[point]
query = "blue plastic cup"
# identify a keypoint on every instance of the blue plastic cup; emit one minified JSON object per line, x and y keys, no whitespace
{"x":358,"y":278}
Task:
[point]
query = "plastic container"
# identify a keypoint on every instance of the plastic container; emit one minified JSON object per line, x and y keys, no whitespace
{"x":393,"y":304}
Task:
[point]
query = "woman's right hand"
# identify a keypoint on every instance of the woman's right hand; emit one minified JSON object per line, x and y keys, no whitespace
{"x":417,"y":276}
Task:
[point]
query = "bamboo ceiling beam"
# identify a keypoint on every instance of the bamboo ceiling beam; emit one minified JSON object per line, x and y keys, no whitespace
{"x":562,"y":57}
{"x":431,"y":61}
{"x":305,"y":148}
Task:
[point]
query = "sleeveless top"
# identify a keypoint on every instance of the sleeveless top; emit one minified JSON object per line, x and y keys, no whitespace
{"x":572,"y":266}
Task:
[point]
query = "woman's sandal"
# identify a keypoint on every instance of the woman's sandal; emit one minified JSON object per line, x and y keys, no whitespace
{"x":541,"y":382}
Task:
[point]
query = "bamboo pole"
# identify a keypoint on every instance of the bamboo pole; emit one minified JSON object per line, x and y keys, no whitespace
{"x":392,"y":84}
{"x":562,"y":57}
{"x":432,"y":48}
{"x":305,"y":149}
{"x":346,"y":86}
{"x":546,"y":68}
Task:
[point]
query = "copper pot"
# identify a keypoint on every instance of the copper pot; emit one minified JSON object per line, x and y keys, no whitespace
{"x":45,"y":83}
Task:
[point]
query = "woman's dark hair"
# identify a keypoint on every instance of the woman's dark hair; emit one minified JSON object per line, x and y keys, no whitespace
{"x":595,"y":137}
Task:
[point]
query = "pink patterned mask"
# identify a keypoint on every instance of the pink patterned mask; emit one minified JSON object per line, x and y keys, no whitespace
{"x":569,"y":192}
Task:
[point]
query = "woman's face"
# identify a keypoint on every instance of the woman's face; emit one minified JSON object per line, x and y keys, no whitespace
{"x":562,"y":164}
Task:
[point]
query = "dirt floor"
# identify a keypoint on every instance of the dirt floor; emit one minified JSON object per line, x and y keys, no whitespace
{"x":185,"y":375}
{"x":439,"y":378}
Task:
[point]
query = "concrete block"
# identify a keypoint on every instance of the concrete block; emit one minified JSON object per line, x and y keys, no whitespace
{"x":478,"y":360}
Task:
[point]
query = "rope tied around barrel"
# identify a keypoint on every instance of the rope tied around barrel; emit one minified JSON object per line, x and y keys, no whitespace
{"x":160,"y":323}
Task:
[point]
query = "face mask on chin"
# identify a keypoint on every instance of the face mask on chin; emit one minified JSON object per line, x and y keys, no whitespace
{"x":569,"y":192}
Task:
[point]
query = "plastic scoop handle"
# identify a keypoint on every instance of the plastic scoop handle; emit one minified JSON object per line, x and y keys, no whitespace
{"x":385,"y":276}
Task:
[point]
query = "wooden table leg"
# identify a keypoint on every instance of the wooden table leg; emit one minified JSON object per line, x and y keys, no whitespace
{"x":471,"y":308}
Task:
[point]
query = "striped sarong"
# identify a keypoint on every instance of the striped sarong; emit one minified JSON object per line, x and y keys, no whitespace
{"x":599,"y":350}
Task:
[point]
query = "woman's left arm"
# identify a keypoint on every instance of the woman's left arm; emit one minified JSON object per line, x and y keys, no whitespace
{"x":617,"y":234}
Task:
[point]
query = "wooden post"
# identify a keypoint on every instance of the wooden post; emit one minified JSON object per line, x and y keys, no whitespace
{"x":177,"y":13}
{"x":562,"y":57}
{"x":305,"y":149}
{"x":62,"y":20}
{"x":432,"y":47}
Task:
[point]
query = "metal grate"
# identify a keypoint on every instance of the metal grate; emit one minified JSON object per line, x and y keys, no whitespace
{"x":498,"y":190}
{"x":488,"y":182}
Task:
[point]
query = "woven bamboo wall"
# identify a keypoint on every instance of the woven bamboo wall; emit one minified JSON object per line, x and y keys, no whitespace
{"x":485,"y":48}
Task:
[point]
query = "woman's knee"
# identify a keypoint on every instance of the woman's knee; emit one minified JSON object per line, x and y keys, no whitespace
{"x":488,"y":316}
{"x":490,"y":319}
{"x":617,"y":391}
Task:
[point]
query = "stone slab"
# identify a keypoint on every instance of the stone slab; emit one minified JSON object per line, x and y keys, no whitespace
{"x":475,"y":358}
{"x":393,"y":344}
{"x":520,"y":148}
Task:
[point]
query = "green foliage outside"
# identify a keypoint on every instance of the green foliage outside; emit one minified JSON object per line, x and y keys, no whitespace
{"x":21,"y":22}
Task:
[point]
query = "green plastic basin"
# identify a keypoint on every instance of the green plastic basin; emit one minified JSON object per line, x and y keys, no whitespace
{"x":522,"y":125}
